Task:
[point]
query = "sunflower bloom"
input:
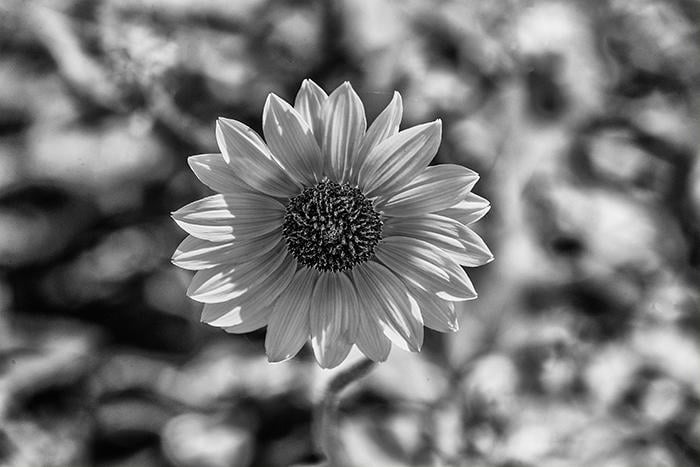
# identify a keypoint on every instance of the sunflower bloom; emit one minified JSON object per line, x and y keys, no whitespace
{"x":331,"y":231}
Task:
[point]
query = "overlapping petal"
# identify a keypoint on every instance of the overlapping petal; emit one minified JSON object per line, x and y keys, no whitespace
{"x":453,"y":237}
{"x":388,"y":301}
{"x":399,"y":159}
{"x":438,"y":314}
{"x":333,"y":318}
{"x":214,"y":172}
{"x":195,"y":254}
{"x":288,"y":327}
{"x":256,"y":300}
{"x":223,"y":217}
{"x":227,"y":281}
{"x":247,"y":275}
{"x":344,"y":125}
{"x":251,"y":159}
{"x":384,"y":126}
{"x":469,"y":210}
{"x":370,"y":339}
{"x":437,"y":187}
{"x":291,"y":141}
{"x":424,"y":265}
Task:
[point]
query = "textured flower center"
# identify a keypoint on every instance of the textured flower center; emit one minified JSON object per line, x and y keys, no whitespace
{"x":331,"y":227}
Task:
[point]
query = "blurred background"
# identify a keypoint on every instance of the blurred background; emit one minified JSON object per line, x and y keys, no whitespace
{"x":581,"y":117}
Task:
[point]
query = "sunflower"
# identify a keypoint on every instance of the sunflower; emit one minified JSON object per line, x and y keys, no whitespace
{"x":329,"y":230}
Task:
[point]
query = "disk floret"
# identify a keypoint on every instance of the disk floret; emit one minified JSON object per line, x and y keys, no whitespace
{"x":332,"y":226}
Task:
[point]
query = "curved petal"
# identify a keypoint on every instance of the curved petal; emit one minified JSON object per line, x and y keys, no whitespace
{"x":291,"y":141}
{"x":476,"y":251}
{"x":255,"y":300}
{"x":223,"y":217}
{"x":398,"y":159}
{"x":469,"y":210}
{"x":333,"y":318}
{"x":462,"y":244}
{"x":344,"y":124}
{"x":195,"y":253}
{"x":227,"y":281}
{"x":388,"y":300}
{"x":370,"y":339}
{"x":424,"y":265}
{"x":438,"y":314}
{"x":252,"y":322}
{"x":385,"y":125}
{"x":251,"y":160}
{"x":437,"y":187}
{"x":214,"y":172}
{"x":288,"y":327}
{"x":309,"y":103}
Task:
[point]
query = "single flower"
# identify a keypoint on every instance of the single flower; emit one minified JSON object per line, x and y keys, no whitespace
{"x":330,"y":230}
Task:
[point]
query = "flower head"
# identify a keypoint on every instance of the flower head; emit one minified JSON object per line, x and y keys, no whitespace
{"x":330,"y":230}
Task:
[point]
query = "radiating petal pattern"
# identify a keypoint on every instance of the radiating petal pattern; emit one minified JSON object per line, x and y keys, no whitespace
{"x":214,"y":172}
{"x":330,"y":231}
{"x":257,"y":299}
{"x":469,"y":210}
{"x":399,"y":159}
{"x":438,"y":187}
{"x":292,"y":141}
{"x":223,"y":217}
{"x":195,"y":254}
{"x":251,"y":160}
{"x":389,"y":302}
{"x":462,"y":244}
{"x":385,"y":125}
{"x":227,"y":281}
{"x":424,"y":265}
{"x":288,"y":328}
{"x":344,"y":124}
{"x":333,"y":318}
{"x":438,"y":314}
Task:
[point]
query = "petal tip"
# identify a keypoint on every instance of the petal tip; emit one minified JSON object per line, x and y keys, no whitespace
{"x":273,"y":98}
{"x":278,"y":358}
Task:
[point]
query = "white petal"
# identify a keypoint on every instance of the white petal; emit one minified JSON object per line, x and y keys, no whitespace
{"x":252,"y":161}
{"x":451,"y":236}
{"x":370,"y":339}
{"x":344,"y":124}
{"x":476,"y":251}
{"x":257,"y":299}
{"x":291,"y":140}
{"x":309,"y":103}
{"x":385,"y":125}
{"x":224,"y":217}
{"x":469,"y":210}
{"x":228,"y":281}
{"x":288,"y":327}
{"x":423,"y":264}
{"x":214,"y":172}
{"x":252,"y":323}
{"x":333,"y":318}
{"x":437,"y":313}
{"x":437,"y":187}
{"x":194,"y":253}
{"x":398,"y":159}
{"x":389,"y":302}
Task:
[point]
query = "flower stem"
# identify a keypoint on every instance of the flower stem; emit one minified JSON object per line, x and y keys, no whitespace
{"x":326,"y":420}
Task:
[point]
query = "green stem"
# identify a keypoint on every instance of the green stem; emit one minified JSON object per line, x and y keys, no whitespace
{"x":326,"y":418}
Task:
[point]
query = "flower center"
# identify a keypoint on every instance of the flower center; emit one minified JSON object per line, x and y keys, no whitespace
{"x":331,"y":227}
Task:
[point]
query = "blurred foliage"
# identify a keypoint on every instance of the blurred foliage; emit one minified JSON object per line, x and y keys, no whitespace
{"x":582,"y":118}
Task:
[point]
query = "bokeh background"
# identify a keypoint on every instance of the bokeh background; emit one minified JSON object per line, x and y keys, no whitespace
{"x":582,"y":118}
